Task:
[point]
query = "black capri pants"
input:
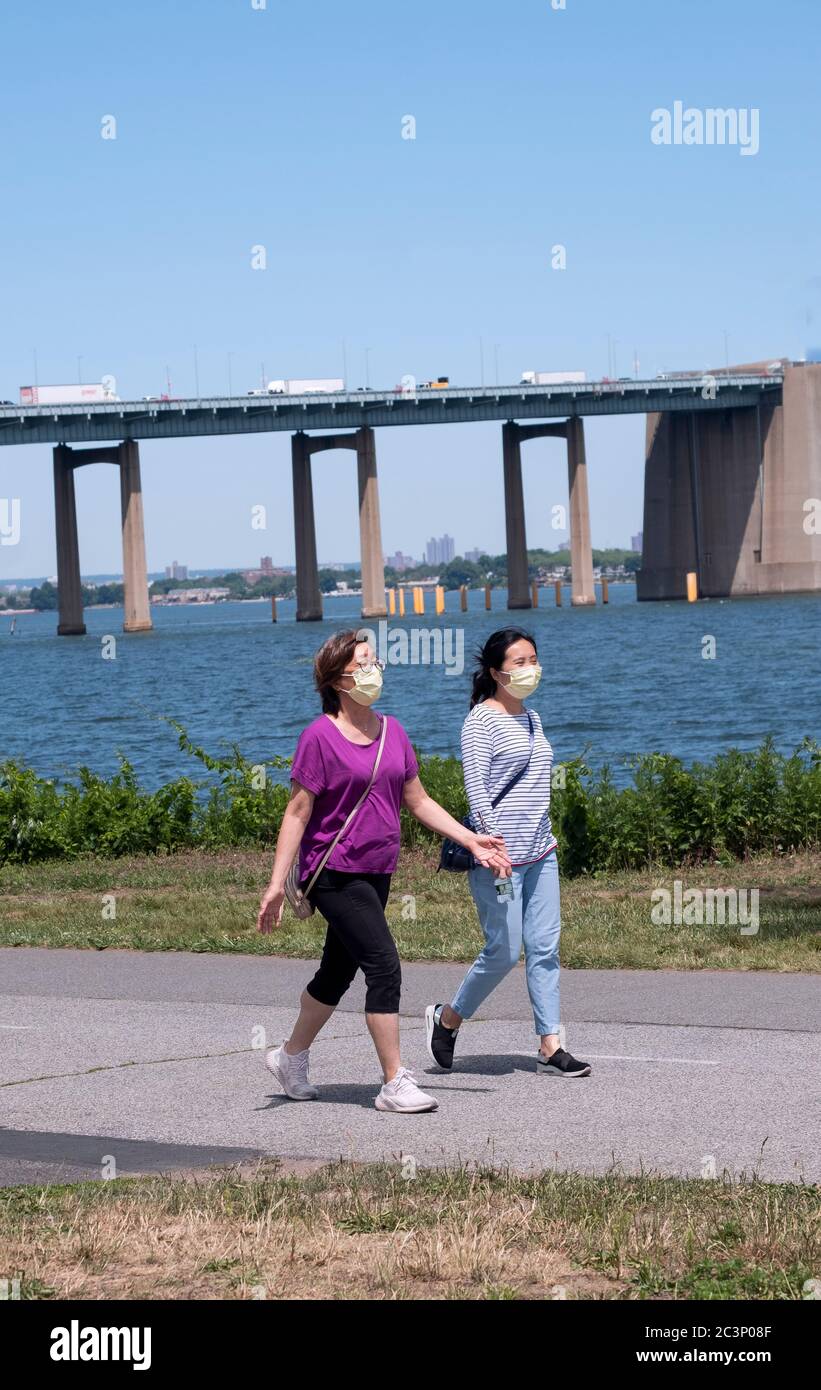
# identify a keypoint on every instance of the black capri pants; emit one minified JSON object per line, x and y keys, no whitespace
{"x":358,"y":938}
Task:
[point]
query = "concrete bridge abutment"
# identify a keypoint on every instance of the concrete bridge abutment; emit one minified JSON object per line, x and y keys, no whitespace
{"x":735,"y":496}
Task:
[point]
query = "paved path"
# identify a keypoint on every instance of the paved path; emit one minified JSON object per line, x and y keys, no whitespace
{"x":150,"y":1058}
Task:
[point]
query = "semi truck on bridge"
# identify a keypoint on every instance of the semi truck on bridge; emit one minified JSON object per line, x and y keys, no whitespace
{"x":80,"y":394}
{"x":302,"y":386}
{"x":552,"y":378}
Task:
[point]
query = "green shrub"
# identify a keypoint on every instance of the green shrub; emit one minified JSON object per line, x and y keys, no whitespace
{"x":669,"y":814}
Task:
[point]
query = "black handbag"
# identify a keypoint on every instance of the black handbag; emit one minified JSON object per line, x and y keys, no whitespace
{"x":455,"y":858}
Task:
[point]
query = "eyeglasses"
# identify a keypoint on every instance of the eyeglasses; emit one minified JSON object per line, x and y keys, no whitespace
{"x":367,"y":666}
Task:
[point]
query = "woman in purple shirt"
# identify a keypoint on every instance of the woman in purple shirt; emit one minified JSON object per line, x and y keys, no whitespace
{"x":334,"y":760}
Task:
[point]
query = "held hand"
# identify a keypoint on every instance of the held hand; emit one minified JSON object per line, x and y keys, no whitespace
{"x":270,"y":911}
{"x":490,"y":852}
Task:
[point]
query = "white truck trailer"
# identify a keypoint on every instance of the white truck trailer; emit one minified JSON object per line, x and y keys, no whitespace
{"x":84,"y":393}
{"x":552,"y":378}
{"x":306,"y":386}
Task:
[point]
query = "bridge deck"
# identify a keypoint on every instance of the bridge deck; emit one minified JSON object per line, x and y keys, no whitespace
{"x":119,"y":420}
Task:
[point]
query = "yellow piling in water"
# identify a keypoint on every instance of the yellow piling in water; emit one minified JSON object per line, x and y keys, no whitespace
{"x":558,"y":593}
{"x":391,"y":602}
{"x":401,"y":603}
{"x":605,"y":592}
{"x":440,"y":598}
{"x":534,"y":594}
{"x":692,"y":587}
{"x":487,"y":596}
{"x":273,"y":608}
{"x":418,"y":600}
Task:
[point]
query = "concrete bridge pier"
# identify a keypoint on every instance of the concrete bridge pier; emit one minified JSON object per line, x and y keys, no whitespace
{"x":581,"y":554}
{"x":370,"y":527}
{"x":309,"y":599}
{"x":70,"y":597}
{"x":518,"y":586}
{"x":137,"y":615}
{"x":583,"y":592}
{"x":308,"y":596}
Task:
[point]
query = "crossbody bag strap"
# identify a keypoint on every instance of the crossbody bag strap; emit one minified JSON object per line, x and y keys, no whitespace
{"x":511,"y":784}
{"x":326,"y":856}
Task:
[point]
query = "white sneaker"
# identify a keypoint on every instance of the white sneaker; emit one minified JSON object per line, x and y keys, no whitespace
{"x":404,"y":1096}
{"x":291,"y":1072}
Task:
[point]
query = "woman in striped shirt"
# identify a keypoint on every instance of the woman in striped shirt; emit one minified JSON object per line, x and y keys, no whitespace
{"x":500,"y":739}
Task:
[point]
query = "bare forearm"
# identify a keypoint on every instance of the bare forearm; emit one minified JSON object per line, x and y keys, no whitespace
{"x":288,"y":842}
{"x":430,"y":814}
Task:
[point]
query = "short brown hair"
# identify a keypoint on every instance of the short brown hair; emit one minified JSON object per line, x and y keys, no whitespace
{"x":329,"y":664}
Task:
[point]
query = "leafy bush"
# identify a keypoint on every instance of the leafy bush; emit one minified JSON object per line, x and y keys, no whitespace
{"x":739,"y":803}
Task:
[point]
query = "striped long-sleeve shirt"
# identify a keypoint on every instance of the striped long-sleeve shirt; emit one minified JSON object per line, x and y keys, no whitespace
{"x":494,"y":747}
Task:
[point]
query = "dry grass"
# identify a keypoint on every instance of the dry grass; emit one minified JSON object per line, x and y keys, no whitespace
{"x":343,"y":1232}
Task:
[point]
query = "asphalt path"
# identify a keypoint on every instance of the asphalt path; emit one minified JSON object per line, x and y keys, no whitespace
{"x":127,"y":1062}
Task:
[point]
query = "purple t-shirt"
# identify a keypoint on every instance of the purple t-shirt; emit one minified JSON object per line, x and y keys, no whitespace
{"x":337,"y":772}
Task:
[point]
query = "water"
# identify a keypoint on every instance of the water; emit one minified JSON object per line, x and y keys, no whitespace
{"x":623,"y":679}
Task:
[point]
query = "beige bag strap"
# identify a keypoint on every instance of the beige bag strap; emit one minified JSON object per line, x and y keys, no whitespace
{"x":326,"y":856}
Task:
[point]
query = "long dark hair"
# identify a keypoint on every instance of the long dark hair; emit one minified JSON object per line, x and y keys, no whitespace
{"x":490,"y":657}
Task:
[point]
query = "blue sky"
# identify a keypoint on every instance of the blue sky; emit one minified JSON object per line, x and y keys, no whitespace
{"x":282,"y":127}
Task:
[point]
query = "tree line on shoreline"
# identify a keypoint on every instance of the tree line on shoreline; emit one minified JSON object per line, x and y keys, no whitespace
{"x":488,"y":570}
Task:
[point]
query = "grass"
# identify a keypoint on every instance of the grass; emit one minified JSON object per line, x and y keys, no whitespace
{"x":351,"y":1232}
{"x":196,"y":901}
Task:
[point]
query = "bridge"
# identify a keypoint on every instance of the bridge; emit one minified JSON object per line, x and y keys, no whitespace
{"x":731,"y":457}
{"x":180,"y":419}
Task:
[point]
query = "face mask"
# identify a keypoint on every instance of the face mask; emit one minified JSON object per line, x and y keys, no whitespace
{"x":523,"y":681}
{"x":367,"y":686}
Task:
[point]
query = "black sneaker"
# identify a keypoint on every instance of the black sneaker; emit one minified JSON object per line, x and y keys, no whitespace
{"x":441,"y":1041}
{"x":561,"y":1064}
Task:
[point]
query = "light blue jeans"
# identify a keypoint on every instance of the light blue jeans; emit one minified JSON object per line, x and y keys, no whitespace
{"x":533,"y":918}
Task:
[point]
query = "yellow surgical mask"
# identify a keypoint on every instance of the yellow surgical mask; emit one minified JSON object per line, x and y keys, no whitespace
{"x":523,"y":681}
{"x":367,"y":686}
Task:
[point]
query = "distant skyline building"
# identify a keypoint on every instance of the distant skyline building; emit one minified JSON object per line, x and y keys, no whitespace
{"x":267,"y":570}
{"x":176,"y":571}
{"x":637,"y":542}
{"x":400,"y":562}
{"x":440,"y":550}
{"x":474,"y":555}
